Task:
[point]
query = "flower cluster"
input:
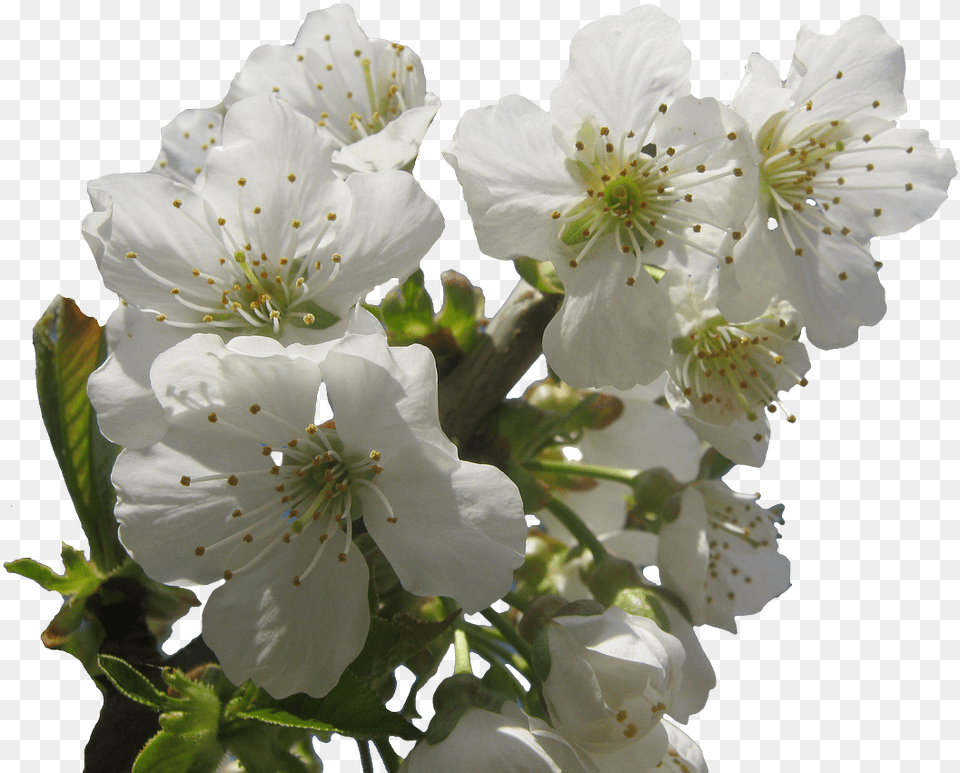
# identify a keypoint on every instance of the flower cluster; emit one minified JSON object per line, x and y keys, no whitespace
{"x":282,"y":438}
{"x":686,"y":232}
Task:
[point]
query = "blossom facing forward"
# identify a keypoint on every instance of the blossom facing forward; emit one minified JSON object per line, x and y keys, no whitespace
{"x":835,"y":172}
{"x":627,"y":175}
{"x":250,"y":486}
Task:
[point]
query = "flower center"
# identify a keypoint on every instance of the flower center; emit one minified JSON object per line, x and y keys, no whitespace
{"x":805,"y":173}
{"x":315,"y":490}
{"x":252,"y":292}
{"x":735,"y":369}
{"x":639,"y":195}
{"x":348,"y":116}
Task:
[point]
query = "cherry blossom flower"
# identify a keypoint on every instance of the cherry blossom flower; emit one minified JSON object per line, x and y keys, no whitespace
{"x":627,"y":175}
{"x":720,"y":555}
{"x":250,"y":486}
{"x":368,"y":96}
{"x":723,"y":373}
{"x":611,"y":679}
{"x":269,"y":243}
{"x":836,"y":171}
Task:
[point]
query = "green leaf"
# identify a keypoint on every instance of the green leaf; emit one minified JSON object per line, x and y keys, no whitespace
{"x":391,"y":642}
{"x":352,"y":708}
{"x":462,"y":309}
{"x":541,"y":274}
{"x":169,"y":753}
{"x":69,"y":346}
{"x":407,"y":311}
{"x":286,"y":719}
{"x":132,"y":683}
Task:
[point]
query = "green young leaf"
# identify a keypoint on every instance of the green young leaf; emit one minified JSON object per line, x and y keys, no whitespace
{"x":286,"y":719}
{"x":69,"y":346}
{"x":263,"y":749}
{"x":462,"y":309}
{"x":170,"y":753}
{"x":132,"y":683}
{"x":407,"y":311}
{"x":541,"y":274}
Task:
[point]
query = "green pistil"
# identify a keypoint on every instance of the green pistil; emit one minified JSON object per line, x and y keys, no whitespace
{"x":621,"y":194}
{"x":248,"y":271}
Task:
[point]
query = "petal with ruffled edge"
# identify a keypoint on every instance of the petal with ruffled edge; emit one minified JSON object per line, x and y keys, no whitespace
{"x":457,"y":533}
{"x":622,"y":68}
{"x":291,"y":638}
{"x":514,"y":176}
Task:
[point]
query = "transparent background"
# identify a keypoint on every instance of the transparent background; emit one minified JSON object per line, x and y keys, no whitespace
{"x":855,"y":667}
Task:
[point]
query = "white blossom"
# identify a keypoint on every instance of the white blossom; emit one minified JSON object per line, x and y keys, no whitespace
{"x":612,"y":677}
{"x":625,"y":176}
{"x":251,"y":486}
{"x":368,"y":96}
{"x":725,"y":373}
{"x":269,"y":243}
{"x":720,"y":555}
{"x":836,"y":171}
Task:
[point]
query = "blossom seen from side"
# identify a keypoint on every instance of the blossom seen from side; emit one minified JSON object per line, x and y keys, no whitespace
{"x":627,"y":175}
{"x":368,"y":96}
{"x":720,"y":555}
{"x":251,"y":486}
{"x":836,"y":171}
{"x":611,"y":679}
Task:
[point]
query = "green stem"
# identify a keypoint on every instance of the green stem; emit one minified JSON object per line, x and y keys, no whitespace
{"x":516,"y":601}
{"x":577,"y":528}
{"x":487,"y":644}
{"x":511,"y":634}
{"x":365,"y":759}
{"x":461,"y":651}
{"x":578,"y":470}
{"x":390,"y":759}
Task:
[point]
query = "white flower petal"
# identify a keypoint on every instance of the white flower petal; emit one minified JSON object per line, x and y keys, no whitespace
{"x":397,"y":402}
{"x":163,"y":522}
{"x":286,"y":638}
{"x":398,"y":225}
{"x":622,"y":68}
{"x":698,"y":676}
{"x":127,"y":409}
{"x":457,"y":533}
{"x":394,"y":147}
{"x":871,"y":65}
{"x":588,"y":346}
{"x":514,"y":176}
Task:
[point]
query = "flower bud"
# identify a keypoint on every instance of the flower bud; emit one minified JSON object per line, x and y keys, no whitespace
{"x":612,"y":677}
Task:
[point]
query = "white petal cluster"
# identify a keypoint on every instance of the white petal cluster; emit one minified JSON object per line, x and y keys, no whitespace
{"x":627,"y":175}
{"x":836,"y":171}
{"x":720,"y":555}
{"x":271,"y":243}
{"x":247,"y":485}
{"x":367,"y":96}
